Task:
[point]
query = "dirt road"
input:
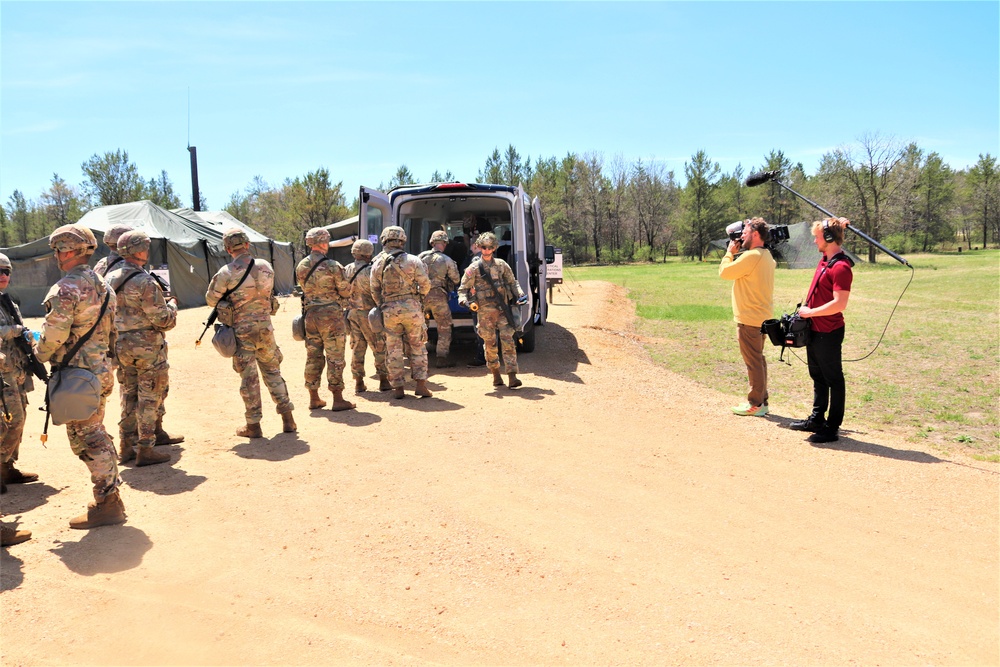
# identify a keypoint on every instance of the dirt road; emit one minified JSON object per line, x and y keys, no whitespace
{"x":608,"y":512}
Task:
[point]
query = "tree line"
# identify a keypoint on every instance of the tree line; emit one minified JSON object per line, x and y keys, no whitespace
{"x":606,"y":209}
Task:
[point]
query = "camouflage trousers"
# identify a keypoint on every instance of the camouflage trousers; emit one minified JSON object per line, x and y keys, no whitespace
{"x":436,"y":305}
{"x":255,"y":348}
{"x":362,"y":337}
{"x":143,"y":374}
{"x":93,"y":445}
{"x":405,"y":333}
{"x":15,"y":402}
{"x":491,"y":321}
{"x":326,"y":334}
{"x":120,"y":376}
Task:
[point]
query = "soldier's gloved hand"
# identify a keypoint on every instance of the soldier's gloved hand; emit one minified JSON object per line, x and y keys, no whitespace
{"x":522,"y":300}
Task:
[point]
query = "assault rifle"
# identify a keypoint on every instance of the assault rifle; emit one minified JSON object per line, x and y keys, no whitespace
{"x":35,"y":367}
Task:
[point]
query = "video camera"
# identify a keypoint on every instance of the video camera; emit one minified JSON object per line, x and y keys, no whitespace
{"x":777,"y":233}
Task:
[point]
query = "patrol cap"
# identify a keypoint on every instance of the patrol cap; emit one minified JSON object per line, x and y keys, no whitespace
{"x":487,"y":240}
{"x":362,"y":247}
{"x":393,"y":233}
{"x":133,"y":242}
{"x":114,"y":233}
{"x":440,"y":236}
{"x":4,"y":261}
{"x":233,"y":238}
{"x":72,"y":237}
{"x":317,"y":235}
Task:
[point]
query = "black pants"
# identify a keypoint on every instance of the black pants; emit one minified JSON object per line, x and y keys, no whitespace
{"x":824,"y":353}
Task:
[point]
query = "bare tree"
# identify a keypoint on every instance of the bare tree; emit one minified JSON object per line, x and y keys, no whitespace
{"x":653,"y":194}
{"x":594,"y":192}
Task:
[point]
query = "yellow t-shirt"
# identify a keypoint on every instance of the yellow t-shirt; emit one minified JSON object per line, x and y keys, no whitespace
{"x":752,"y":274}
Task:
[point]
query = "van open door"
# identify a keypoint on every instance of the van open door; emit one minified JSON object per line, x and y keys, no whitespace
{"x":543,"y":304}
{"x":374,"y":215}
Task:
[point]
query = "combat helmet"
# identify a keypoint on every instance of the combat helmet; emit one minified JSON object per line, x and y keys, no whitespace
{"x":487,"y":240}
{"x":317,"y":235}
{"x":133,"y":242}
{"x":393,"y":234}
{"x":73,"y":237}
{"x":114,"y":233}
{"x":440,"y":236}
{"x":234,"y":238}
{"x":362,"y":247}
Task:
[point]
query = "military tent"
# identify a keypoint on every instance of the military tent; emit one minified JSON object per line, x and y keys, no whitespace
{"x":186,"y":250}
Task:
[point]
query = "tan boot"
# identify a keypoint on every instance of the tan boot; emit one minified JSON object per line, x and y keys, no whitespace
{"x":164,"y":438}
{"x":422,"y":390}
{"x":288,"y":422}
{"x":398,"y":392}
{"x":497,"y":380}
{"x":126,"y":453}
{"x":11,"y":475}
{"x":512,"y":381}
{"x":315,"y":402}
{"x":250,"y":431}
{"x":147,"y":456}
{"x":339,"y":404}
{"x":9,"y":536}
{"x":359,"y":385}
{"x":109,"y":511}
{"x":383,"y":383}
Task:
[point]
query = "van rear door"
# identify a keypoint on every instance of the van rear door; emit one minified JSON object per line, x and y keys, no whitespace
{"x":374,"y":215}
{"x":536,"y":216}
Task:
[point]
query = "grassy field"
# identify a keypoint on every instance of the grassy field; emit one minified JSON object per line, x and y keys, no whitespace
{"x":934,"y":378}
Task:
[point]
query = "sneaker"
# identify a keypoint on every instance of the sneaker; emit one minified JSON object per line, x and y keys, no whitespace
{"x":824,"y":435}
{"x":747,"y":410}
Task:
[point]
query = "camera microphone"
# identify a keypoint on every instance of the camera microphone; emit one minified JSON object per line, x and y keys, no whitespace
{"x":753,"y":180}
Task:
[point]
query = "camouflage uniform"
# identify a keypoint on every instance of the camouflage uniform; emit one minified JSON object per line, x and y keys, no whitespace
{"x":72,"y":306}
{"x":256,"y":346}
{"x":491,"y":317}
{"x":362,"y":336}
{"x":17,"y":383}
{"x":142,"y":317}
{"x":443,"y":273}
{"x":399,"y":282}
{"x":326,"y":331}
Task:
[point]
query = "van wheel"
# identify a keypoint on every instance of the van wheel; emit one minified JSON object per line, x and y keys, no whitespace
{"x":527,"y":342}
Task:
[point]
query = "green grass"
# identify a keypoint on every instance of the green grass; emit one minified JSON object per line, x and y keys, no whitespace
{"x":934,"y":377}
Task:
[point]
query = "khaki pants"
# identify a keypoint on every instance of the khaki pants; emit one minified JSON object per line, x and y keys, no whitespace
{"x":752,"y":348}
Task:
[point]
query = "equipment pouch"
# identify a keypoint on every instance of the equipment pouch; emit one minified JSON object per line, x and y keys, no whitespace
{"x":299,"y":327}
{"x":774,"y":332}
{"x":376,"y":320}
{"x":798,"y":330}
{"x":73,"y":394}
{"x":226,"y":312}
{"x":224,"y":340}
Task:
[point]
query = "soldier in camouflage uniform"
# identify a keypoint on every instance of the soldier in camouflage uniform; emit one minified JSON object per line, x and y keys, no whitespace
{"x":399,"y":283}
{"x":443,"y":273}
{"x":253,"y":306}
{"x":324,"y":289}
{"x":17,"y":382}
{"x":142,"y":318}
{"x":72,"y":307}
{"x":114,"y":260}
{"x":486,"y":304}
{"x":8,"y":534}
{"x":362,"y":337}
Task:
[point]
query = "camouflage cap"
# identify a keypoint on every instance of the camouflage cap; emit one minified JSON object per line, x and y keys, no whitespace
{"x":234,"y":237}
{"x":72,"y":237}
{"x":133,"y":242}
{"x":487,"y":240}
{"x":316,"y":236}
{"x":392,"y":234}
{"x":440,"y":236}
{"x":4,"y":261}
{"x":114,"y":233}
{"x":362,"y":247}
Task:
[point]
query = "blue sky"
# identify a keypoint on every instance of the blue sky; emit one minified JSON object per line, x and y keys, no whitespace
{"x":280,"y":89}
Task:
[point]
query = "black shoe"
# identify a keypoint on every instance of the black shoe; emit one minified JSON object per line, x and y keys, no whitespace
{"x":812,"y":425}
{"x":825,"y":435}
{"x":476,"y":363}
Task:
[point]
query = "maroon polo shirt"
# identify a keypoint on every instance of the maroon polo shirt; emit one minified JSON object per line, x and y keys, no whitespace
{"x":830,"y":277}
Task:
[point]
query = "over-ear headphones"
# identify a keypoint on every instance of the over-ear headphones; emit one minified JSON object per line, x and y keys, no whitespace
{"x":827,"y":232}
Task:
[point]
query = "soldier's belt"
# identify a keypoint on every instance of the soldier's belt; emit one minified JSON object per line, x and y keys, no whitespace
{"x":399,"y":297}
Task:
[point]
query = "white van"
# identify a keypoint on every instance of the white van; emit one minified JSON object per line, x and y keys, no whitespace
{"x":503,"y":209}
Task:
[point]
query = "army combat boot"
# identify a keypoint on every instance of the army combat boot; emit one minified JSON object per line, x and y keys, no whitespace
{"x":315,"y":402}
{"x":422,"y":390}
{"x":287,"y":422}
{"x":164,"y":438}
{"x":398,"y":392}
{"x":339,"y":404}
{"x":11,"y":475}
{"x":107,"y":512}
{"x":497,"y":380}
{"x":383,"y":383}
{"x":250,"y":431}
{"x":9,"y":536}
{"x":126,"y":452}
{"x":512,"y":381}
{"x":359,"y":385}
{"x":147,"y":456}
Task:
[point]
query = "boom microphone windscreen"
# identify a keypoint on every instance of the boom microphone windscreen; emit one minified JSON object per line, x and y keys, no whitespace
{"x":754,"y":180}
